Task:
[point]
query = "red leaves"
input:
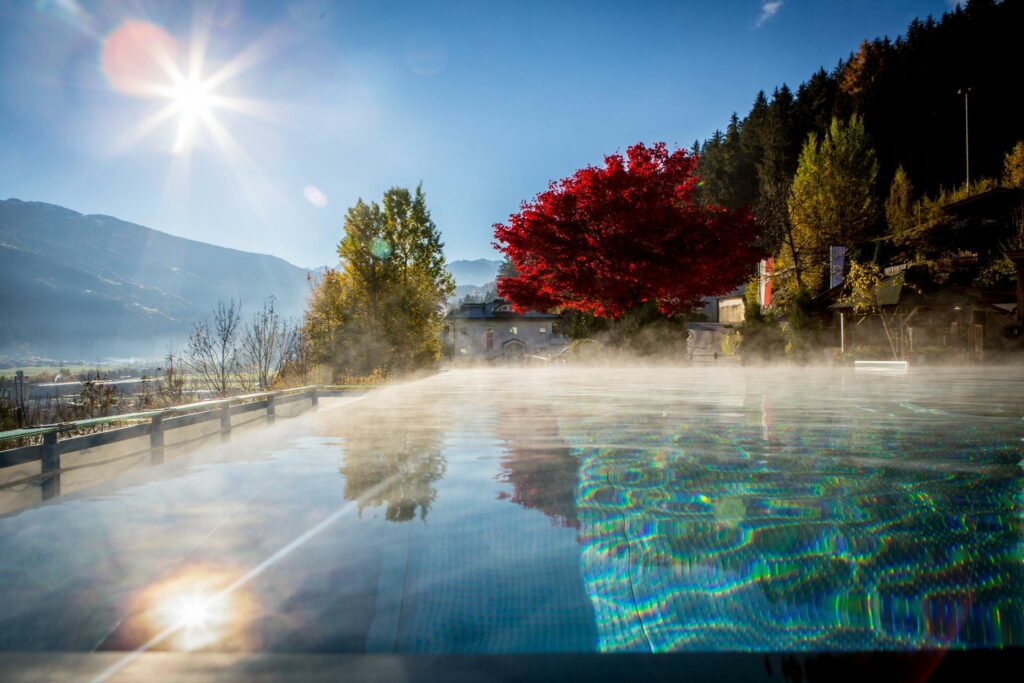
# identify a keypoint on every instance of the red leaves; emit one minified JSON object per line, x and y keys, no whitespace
{"x":608,"y":238}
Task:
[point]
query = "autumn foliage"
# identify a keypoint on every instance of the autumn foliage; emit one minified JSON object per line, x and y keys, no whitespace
{"x":609,"y":239}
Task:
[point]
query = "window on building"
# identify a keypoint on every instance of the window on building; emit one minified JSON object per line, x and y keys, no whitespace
{"x":730,"y":310}
{"x":513,"y":330}
{"x":489,"y":339}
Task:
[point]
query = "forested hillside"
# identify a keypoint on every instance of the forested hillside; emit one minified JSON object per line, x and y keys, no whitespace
{"x":908,"y":92}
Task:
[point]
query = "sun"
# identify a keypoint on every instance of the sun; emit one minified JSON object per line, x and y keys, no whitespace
{"x":192,"y":97}
{"x":193,"y":100}
{"x":142,"y":60}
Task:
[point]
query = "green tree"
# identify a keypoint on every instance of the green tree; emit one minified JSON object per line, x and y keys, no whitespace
{"x":727,"y":162}
{"x":507,"y":268}
{"x":380,"y":310}
{"x":779,"y":151}
{"x":832,"y":200}
{"x":905,"y":91}
{"x":761,"y":336}
{"x":815,"y":102}
{"x":899,"y":207}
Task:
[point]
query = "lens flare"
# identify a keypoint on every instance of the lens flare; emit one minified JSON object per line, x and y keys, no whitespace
{"x":137,"y":57}
{"x":315,"y":196}
{"x":380,"y":248}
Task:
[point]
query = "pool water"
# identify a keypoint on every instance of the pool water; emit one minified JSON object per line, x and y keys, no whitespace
{"x":532,"y":510}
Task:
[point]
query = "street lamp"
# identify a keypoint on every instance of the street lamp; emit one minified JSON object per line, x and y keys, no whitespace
{"x":967,"y":135}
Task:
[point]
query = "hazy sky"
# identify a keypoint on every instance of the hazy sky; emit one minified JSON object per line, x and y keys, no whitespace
{"x":299,"y":108}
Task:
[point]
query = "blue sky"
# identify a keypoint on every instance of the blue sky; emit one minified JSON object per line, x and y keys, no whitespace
{"x":318,"y":103}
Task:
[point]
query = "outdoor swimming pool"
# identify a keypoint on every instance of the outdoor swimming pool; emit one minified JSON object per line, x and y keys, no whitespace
{"x":558,"y":510}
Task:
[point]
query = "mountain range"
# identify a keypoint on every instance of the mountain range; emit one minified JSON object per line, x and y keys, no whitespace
{"x":86,"y":286}
{"x":477,"y":273}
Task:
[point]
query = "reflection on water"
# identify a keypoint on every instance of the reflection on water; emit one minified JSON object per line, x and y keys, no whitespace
{"x":558,"y":510}
{"x":537,"y":463}
{"x":391,"y":458}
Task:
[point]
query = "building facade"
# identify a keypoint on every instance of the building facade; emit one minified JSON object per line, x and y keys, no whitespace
{"x":492,"y":331}
{"x":724,"y":309}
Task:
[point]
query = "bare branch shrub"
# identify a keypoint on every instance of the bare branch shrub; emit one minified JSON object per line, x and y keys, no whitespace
{"x":268,"y":343}
{"x":212,"y":350}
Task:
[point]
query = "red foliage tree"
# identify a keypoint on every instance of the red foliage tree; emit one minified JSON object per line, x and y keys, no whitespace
{"x":606,"y":240}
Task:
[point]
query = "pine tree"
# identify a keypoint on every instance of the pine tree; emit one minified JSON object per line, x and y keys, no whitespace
{"x":753,"y":134}
{"x":905,"y":91}
{"x":775,"y":169}
{"x":815,"y":102}
{"x":727,"y":166}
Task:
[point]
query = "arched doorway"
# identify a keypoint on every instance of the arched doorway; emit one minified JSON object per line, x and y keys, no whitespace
{"x":514,"y":349}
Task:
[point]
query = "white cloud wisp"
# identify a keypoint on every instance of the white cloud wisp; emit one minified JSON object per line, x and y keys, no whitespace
{"x":768,"y":10}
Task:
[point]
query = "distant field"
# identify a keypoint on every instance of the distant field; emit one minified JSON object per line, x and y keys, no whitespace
{"x":192,"y":381}
{"x":52,"y":370}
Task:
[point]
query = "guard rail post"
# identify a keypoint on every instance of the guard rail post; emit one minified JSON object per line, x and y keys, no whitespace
{"x":156,"y":439}
{"x":225,"y":421}
{"x":50,"y":466}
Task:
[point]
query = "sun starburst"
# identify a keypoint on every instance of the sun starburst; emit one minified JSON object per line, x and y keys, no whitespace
{"x":143,"y":60}
{"x":192,"y":100}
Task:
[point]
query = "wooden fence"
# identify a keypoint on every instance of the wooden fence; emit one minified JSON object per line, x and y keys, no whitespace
{"x":154,"y":423}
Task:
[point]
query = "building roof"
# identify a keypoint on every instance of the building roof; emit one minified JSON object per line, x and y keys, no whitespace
{"x":498,"y":309}
{"x":912,"y":287}
{"x":999,"y":202}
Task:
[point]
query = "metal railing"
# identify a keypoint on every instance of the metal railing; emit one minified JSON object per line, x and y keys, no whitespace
{"x":148,"y":422}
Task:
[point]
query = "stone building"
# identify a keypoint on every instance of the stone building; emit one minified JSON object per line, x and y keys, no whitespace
{"x":493,"y":331}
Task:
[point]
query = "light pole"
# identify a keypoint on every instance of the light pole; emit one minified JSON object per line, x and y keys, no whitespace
{"x":967,"y":134}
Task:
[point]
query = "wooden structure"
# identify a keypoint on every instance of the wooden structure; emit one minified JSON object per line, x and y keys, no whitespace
{"x":1017,"y":257}
{"x":152,"y":423}
{"x":918,"y":317}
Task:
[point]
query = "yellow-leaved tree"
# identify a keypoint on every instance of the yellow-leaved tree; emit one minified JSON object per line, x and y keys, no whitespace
{"x":863,"y":287}
{"x":900,"y":206}
{"x":832,"y":201}
{"x":1013,"y":166}
{"x":380,"y":311}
